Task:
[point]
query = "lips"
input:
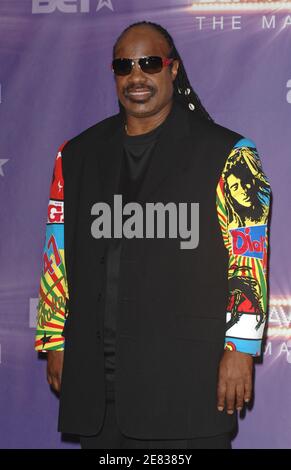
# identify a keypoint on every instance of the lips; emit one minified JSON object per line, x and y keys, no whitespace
{"x":140,"y":90}
{"x":140,"y":93}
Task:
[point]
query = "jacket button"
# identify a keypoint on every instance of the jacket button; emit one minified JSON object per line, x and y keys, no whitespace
{"x":102,"y":259}
{"x":98,"y":334}
{"x":99,"y":296}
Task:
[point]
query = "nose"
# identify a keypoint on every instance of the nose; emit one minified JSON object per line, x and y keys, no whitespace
{"x":136,"y":71}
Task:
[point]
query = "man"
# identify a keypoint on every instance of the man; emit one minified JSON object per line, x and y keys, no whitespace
{"x":178,"y":328}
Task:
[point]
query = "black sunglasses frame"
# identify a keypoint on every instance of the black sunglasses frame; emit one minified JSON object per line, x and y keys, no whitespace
{"x":148,"y":64}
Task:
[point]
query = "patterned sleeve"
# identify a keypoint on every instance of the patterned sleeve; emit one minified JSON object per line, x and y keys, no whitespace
{"x":53,"y":292}
{"x":243,"y":201}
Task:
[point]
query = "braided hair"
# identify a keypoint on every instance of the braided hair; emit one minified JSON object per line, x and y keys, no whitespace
{"x":183,"y":90}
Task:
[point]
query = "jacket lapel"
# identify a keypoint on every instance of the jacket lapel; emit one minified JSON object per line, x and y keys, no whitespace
{"x":110,"y":156}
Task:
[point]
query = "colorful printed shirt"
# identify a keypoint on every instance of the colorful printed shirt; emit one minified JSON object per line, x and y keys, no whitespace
{"x":243,"y":199}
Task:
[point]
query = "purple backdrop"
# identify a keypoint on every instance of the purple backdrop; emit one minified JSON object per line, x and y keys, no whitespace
{"x":55,"y":81}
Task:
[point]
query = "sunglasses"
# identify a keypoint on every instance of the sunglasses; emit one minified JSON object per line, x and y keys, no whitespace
{"x":150,"y":64}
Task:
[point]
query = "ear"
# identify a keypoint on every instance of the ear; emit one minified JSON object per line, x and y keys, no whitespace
{"x":174,"y":68}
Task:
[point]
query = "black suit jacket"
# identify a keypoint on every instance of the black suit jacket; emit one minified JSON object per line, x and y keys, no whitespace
{"x":172,"y":301}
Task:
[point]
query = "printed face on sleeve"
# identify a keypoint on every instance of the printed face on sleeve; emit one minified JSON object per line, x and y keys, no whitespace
{"x":241,"y":189}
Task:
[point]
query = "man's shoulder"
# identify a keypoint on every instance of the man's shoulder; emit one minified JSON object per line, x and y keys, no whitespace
{"x":218,"y":133}
{"x":232,"y":138}
{"x":95,"y":132}
{"x":226,"y":132}
{"x":217,"y":139}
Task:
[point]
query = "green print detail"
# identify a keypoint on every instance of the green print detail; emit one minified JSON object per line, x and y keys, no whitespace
{"x":46,"y":314}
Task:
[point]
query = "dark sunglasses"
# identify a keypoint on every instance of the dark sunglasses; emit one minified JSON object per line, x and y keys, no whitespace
{"x":150,"y":64}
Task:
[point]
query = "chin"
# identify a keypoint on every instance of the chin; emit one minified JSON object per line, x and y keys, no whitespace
{"x":141,"y":109}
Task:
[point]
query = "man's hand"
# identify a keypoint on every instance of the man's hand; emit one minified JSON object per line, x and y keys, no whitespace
{"x":234,"y":381}
{"x":54,"y":369}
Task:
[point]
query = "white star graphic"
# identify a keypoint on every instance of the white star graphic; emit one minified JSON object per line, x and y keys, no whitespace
{"x":104,"y":3}
{"x":2,"y":162}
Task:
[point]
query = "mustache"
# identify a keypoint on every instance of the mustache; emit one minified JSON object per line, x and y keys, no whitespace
{"x":139,"y":87}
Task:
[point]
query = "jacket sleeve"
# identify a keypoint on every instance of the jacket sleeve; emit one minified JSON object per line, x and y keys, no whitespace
{"x":243,"y":200}
{"x":53,"y":292}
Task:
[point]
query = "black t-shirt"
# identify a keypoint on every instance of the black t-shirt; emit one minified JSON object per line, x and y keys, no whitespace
{"x":138,"y":150}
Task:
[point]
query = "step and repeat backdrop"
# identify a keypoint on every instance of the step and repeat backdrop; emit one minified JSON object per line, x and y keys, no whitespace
{"x":55,"y":81}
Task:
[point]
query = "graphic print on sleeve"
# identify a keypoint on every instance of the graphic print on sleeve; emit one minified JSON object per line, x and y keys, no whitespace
{"x":53,"y":292}
{"x":243,"y":201}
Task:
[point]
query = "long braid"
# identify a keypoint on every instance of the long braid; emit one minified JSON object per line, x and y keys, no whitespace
{"x":183,"y":90}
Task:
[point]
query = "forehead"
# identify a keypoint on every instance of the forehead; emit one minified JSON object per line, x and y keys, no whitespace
{"x":141,"y":41}
{"x":232,"y":179}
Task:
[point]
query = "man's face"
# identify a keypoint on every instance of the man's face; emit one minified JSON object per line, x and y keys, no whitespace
{"x":241,"y":190}
{"x":140,"y":93}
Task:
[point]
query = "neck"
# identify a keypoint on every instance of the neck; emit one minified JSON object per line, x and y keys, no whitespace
{"x":142,"y":125}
